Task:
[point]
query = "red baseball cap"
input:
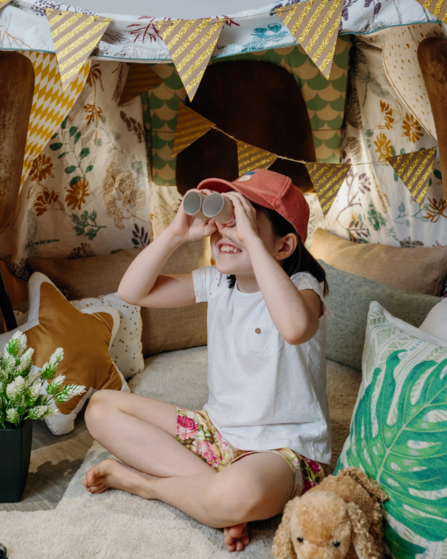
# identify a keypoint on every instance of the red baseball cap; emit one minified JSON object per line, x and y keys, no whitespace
{"x":270,"y":190}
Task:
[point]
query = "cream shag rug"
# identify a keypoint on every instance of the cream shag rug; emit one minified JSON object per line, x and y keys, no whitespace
{"x":116,"y":524}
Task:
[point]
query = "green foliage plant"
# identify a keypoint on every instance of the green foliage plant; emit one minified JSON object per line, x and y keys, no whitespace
{"x":21,"y":385}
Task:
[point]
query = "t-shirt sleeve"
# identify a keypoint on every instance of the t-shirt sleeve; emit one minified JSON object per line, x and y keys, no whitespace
{"x":304,"y":280}
{"x":204,"y":280}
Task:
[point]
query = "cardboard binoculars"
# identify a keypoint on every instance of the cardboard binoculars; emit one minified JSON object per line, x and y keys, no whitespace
{"x":211,"y":206}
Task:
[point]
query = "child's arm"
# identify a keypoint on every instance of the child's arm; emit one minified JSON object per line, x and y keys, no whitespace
{"x":143,"y":286}
{"x":295,"y":313}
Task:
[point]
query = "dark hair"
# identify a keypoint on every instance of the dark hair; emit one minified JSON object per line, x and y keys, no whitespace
{"x":300,"y":261}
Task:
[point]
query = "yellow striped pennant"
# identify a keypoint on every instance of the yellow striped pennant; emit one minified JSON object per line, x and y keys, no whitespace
{"x":314,"y":25}
{"x":74,"y":35}
{"x":250,"y":157}
{"x":190,"y":127}
{"x":190,"y":44}
{"x":414,"y":170}
{"x":327,"y":179}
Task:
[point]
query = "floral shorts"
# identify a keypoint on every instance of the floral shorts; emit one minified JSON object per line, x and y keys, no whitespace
{"x":196,"y":431}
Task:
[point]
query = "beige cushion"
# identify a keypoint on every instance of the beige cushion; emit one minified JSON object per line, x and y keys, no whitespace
{"x":163,"y":329}
{"x":417,"y":270}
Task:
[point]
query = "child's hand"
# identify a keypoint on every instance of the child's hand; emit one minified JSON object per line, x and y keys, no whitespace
{"x":245,"y":215}
{"x":188,"y":228}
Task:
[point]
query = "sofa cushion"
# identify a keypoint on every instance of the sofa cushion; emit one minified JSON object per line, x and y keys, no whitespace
{"x":417,"y":270}
{"x":436,"y":321}
{"x":163,"y":329}
{"x":399,"y":432}
{"x":86,"y":337}
{"x":349,"y":298}
{"x":126,"y":349}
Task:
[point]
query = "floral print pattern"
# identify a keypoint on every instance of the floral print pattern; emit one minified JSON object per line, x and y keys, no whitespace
{"x":76,"y":194}
{"x":412,"y":128}
{"x":387,"y":113}
{"x":41,"y":168}
{"x":374,"y":205}
{"x":121,"y":197}
{"x":197,"y":433}
{"x":47,"y":200}
{"x":436,"y":209}
{"x":384,"y":149}
{"x":89,"y":187}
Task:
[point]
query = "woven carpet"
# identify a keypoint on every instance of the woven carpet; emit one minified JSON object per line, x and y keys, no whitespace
{"x":116,"y":524}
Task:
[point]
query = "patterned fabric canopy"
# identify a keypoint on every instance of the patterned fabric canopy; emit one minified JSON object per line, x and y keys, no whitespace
{"x":374,"y":205}
{"x":24,"y":24}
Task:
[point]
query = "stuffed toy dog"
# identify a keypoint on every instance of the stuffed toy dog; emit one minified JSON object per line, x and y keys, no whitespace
{"x":340,"y":518}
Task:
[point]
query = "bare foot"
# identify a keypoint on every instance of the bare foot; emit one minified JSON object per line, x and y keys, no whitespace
{"x":236,"y":537}
{"x":114,"y":474}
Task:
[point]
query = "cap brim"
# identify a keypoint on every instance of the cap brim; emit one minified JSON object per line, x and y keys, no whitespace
{"x":218,"y":185}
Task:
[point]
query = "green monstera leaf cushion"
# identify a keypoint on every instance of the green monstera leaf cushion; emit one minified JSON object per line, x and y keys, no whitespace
{"x":399,"y":432}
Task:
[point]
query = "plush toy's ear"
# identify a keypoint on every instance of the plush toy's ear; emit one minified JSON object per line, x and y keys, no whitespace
{"x":362,"y":540}
{"x":282,"y":542}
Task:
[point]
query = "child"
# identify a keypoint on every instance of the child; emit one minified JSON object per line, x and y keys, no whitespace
{"x":265,"y":429}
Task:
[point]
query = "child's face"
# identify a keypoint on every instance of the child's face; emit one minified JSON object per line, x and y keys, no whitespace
{"x":232,"y":258}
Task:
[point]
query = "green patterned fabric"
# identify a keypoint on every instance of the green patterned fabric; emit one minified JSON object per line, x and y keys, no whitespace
{"x":399,"y":432}
{"x":325,"y":101}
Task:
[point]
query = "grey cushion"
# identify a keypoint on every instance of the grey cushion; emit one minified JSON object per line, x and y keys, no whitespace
{"x":349,"y":298}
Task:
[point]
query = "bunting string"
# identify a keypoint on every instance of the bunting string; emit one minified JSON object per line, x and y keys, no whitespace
{"x":172,"y":132}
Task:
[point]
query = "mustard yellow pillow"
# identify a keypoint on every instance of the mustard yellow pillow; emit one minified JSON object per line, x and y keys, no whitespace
{"x":85,"y":336}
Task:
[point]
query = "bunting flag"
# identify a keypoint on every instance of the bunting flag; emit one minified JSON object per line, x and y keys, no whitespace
{"x":190,"y":127}
{"x":74,"y":35}
{"x":250,"y":157}
{"x":327,"y":179}
{"x":190,"y":44}
{"x":414,"y":171}
{"x":50,"y":103}
{"x":436,"y":7}
{"x":314,"y":25}
{"x":140,"y":78}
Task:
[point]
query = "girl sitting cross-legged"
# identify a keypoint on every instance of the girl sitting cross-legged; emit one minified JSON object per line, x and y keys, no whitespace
{"x":261,"y":438}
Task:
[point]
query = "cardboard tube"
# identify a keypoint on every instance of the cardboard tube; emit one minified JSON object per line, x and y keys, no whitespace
{"x":218,"y":207}
{"x":192,"y":204}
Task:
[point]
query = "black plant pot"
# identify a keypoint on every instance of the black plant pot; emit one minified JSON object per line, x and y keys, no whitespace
{"x":15,"y":454}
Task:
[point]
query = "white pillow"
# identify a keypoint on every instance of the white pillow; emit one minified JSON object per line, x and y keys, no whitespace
{"x":126,"y":349}
{"x":436,"y":321}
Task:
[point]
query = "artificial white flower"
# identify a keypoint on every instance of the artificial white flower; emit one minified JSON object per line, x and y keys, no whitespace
{"x":57,"y":357}
{"x":68,"y":392}
{"x":17,"y":344}
{"x":9,"y":364}
{"x":51,"y":411}
{"x":23,"y":342}
{"x":34,"y":390}
{"x":56,"y":384}
{"x":12,"y":416}
{"x":33,"y":377}
{"x":37,"y":412}
{"x":16,"y":389}
{"x":26,"y":361}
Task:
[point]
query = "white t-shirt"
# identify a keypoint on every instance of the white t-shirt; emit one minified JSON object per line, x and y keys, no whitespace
{"x":263,"y":392}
